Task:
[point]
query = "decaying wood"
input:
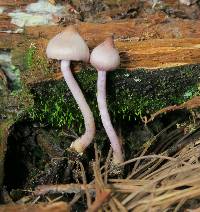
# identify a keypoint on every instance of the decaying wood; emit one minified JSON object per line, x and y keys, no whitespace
{"x":138,"y":40}
{"x":152,"y":43}
{"x":163,"y":48}
{"x":150,"y":54}
{"x":16,"y":3}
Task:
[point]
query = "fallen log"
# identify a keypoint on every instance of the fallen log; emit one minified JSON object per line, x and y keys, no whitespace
{"x":156,"y":69}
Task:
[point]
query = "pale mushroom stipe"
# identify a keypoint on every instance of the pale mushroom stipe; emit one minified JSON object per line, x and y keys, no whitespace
{"x":66,"y":46}
{"x":105,"y":57}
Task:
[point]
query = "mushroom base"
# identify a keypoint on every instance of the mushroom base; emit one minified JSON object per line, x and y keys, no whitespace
{"x":81,"y":143}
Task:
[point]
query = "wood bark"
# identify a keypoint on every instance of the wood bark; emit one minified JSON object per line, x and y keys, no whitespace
{"x":141,"y":45}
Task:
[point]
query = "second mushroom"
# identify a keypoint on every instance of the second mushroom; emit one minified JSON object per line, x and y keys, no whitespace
{"x":105,"y":57}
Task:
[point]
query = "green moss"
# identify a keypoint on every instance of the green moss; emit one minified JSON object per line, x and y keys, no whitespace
{"x":23,"y":99}
{"x":129,"y":95}
{"x":143,"y":92}
{"x":34,"y":60}
{"x":29,"y":56}
{"x":55,"y":105}
{"x":4,"y":127}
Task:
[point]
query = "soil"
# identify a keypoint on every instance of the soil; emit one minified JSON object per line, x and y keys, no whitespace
{"x":39,"y":155}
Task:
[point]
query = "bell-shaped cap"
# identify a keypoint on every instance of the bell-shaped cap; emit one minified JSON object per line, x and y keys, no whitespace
{"x":68,"y":45}
{"x":105,"y":56}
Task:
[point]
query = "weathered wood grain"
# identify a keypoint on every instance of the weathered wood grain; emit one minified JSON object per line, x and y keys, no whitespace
{"x":15,"y":3}
{"x":137,"y":29}
{"x":141,"y":45}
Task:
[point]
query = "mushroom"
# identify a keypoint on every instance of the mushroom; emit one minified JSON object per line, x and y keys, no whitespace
{"x":106,"y":58}
{"x":66,"y":46}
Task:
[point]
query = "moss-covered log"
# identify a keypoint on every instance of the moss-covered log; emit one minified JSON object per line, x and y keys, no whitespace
{"x":130,"y":94}
{"x":169,"y":78}
{"x":156,"y":69}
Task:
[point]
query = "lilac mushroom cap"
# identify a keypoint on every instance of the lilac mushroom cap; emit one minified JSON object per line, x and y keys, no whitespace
{"x":66,"y":46}
{"x":105,"y":57}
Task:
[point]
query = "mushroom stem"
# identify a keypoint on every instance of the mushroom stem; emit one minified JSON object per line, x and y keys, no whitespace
{"x":81,"y":143}
{"x":105,"y":117}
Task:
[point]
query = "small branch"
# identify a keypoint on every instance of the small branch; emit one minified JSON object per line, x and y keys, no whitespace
{"x":85,"y":183}
{"x":103,"y":197}
{"x":63,"y":188}
{"x":190,"y":104}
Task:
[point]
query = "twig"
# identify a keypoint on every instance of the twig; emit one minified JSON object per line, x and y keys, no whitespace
{"x":103,"y":197}
{"x":63,"y":188}
{"x":157,"y":180}
{"x":113,"y":206}
{"x":85,"y":184}
{"x":35,"y":200}
{"x":119,"y":205}
{"x":151,"y":156}
{"x":106,"y":166}
{"x":75,"y":199}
